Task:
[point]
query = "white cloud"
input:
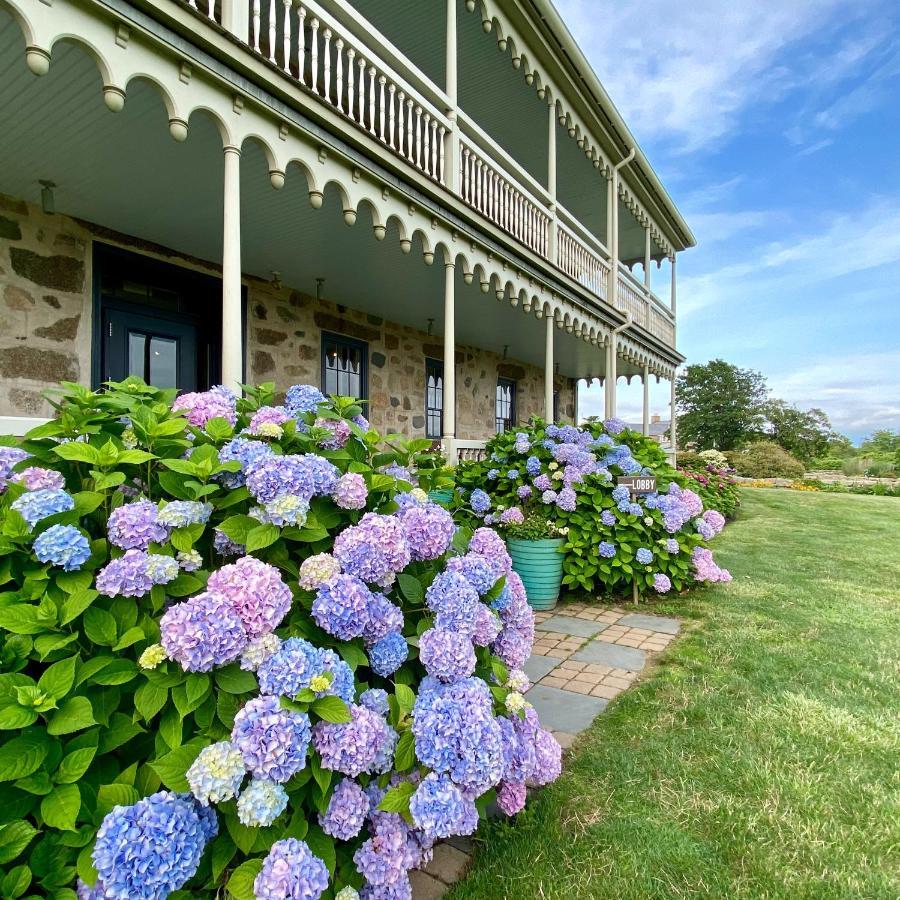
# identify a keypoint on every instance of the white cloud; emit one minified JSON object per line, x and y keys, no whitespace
{"x":686,"y":72}
{"x":860,"y":392}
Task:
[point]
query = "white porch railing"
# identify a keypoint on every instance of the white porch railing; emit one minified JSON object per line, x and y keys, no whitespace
{"x":487,"y":188}
{"x":630,"y":298}
{"x":579,"y":261}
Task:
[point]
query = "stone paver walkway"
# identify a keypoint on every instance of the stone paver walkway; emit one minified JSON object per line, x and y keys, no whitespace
{"x":583,"y":656}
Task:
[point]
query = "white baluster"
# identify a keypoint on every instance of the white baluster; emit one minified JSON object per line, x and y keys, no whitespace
{"x":426,"y":167}
{"x":287,"y":36}
{"x":464,"y":180}
{"x":339,"y":55}
{"x":211,"y":13}
{"x":301,"y":44}
{"x":361,"y":89}
{"x":351,"y":84}
{"x":327,"y":78}
{"x":257,"y":17}
{"x":314,"y":54}
{"x":192,"y":4}
{"x":392,"y":122}
{"x":381,"y":108}
{"x":419,"y":137}
{"x":273,"y":28}
{"x":442,"y":137}
{"x":401,"y":131}
{"x":372,"y":99}
{"x":434,"y":149}
{"x":410,"y":150}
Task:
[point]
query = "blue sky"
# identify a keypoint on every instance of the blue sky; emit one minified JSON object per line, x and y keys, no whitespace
{"x":775,"y":125}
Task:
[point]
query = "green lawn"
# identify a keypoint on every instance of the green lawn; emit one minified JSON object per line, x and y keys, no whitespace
{"x":762,"y":757}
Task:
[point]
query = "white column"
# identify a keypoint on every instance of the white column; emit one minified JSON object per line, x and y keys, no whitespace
{"x":449,"y":364}
{"x":552,"y":237}
{"x":646,"y":380}
{"x":647,"y":259}
{"x":548,"y":369}
{"x":236,"y":18}
{"x":609,"y":393}
{"x":232,"y":331}
{"x":451,"y":87}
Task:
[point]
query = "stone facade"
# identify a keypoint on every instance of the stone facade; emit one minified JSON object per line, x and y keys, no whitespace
{"x":45,"y":333}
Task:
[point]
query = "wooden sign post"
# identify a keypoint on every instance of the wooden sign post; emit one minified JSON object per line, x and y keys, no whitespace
{"x":638,"y":484}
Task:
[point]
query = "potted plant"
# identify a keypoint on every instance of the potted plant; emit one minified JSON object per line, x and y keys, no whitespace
{"x":536,"y":549}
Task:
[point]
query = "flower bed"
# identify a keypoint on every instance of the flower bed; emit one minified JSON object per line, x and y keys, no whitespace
{"x":242,"y":649}
{"x":567,"y":477}
{"x":717,"y":488}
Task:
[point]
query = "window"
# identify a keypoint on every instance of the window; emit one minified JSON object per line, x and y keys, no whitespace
{"x":345,"y":364}
{"x":434,"y":398}
{"x":506,"y":404}
{"x":556,"y":406}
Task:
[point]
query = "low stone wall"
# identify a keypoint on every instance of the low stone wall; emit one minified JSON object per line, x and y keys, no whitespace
{"x":45,"y":333}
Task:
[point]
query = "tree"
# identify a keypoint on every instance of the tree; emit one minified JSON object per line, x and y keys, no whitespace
{"x":883,"y":444}
{"x":804,"y":434}
{"x":720,"y":405}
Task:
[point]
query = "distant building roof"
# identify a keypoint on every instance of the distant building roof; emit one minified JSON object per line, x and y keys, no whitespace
{"x":658,"y":426}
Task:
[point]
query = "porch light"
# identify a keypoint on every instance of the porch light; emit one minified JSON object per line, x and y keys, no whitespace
{"x":320,"y":284}
{"x":276,"y":280}
{"x":48,"y":201}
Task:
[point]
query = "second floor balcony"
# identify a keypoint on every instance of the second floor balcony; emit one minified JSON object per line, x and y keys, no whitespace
{"x":427,"y":84}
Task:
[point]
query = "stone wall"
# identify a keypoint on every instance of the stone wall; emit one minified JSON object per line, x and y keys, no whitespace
{"x":45,"y":305}
{"x":45,"y":334}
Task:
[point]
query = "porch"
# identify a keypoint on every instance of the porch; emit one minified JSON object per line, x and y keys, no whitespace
{"x":407,"y":278}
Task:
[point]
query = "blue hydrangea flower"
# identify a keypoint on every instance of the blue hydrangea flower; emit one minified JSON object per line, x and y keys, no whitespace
{"x":290,"y":669}
{"x":261,"y":803}
{"x":161,"y":569}
{"x":303,"y":398}
{"x":273,"y":741}
{"x":64,"y":546}
{"x":608,"y":518}
{"x":244,"y":451}
{"x":341,"y":606}
{"x":672,"y":545}
{"x":606,"y":549}
{"x":440,"y":810}
{"x":512,"y":474}
{"x":533,"y":466}
{"x":388,"y":654}
{"x":644,"y":556}
{"x":346,"y":812}
{"x":216,"y":774}
{"x":342,"y":681}
{"x":291,"y":870}
{"x":135,"y":526}
{"x":376,"y":700}
{"x":621,"y":493}
{"x":148,"y":850}
{"x":36,"y":505}
{"x":492,"y":474}
{"x":480,"y":502}
{"x":635,"y":509}
{"x":446,"y":655}
{"x":351,"y":747}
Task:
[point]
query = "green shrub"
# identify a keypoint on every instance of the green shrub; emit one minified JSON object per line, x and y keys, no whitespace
{"x":688,"y":459}
{"x":765,"y":459}
{"x":717,"y":489}
{"x":828,"y":464}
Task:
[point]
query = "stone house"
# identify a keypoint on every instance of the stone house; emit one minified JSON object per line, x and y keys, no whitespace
{"x":345,"y":192}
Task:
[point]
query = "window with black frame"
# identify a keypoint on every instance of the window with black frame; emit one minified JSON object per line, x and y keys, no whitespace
{"x":506,"y":404}
{"x":345,"y":364}
{"x":434,"y":398}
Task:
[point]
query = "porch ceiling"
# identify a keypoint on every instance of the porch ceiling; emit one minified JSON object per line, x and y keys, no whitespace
{"x":125,"y":173}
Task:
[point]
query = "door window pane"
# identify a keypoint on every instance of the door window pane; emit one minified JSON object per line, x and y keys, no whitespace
{"x":137,"y":354}
{"x":163,"y":362}
{"x":344,"y":367}
{"x":434,"y":398}
{"x":506,"y":404}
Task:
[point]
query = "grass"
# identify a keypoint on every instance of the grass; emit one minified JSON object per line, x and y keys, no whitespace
{"x":760,"y":759}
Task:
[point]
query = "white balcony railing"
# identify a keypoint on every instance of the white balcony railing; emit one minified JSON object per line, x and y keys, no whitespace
{"x":485,"y":187}
{"x":319,"y":54}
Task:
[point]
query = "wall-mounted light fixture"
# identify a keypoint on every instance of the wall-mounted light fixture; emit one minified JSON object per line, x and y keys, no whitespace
{"x":48,"y":201}
{"x":505,"y":350}
{"x":320,"y":284}
{"x":430,"y":327}
{"x":276,"y":280}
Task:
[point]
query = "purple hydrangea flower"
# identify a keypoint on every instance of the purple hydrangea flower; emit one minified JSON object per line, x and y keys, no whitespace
{"x":606,"y":549}
{"x":376,"y":700}
{"x":672,"y":546}
{"x":487,"y":626}
{"x":135,"y":526}
{"x":374,"y":550}
{"x":341,"y":606}
{"x":272,"y":740}
{"x":473,"y":567}
{"x":489,"y":544}
{"x":567,"y":500}
{"x":608,"y":518}
{"x":246,"y":453}
{"x":9,"y":457}
{"x":268,"y":415}
{"x":480,"y":502}
{"x":524,"y":492}
{"x":428,"y":531}
{"x":661,"y":583}
{"x":512,"y":516}
{"x":36,"y":478}
{"x":126,"y":576}
{"x":614,"y":425}
{"x":148,"y":850}
{"x":290,"y":669}
{"x":217,"y":403}
{"x":202,"y":633}
{"x":64,"y":546}
{"x":351,"y":747}
{"x":511,"y":796}
{"x":350,"y":492}
{"x":224,"y":546}
{"x":271,"y":476}
{"x":446,"y":655}
{"x":549,"y":497}
{"x":340,"y":433}
{"x":256,"y":591}
{"x":383,"y":618}
{"x":291,"y":870}
{"x":346,"y":812}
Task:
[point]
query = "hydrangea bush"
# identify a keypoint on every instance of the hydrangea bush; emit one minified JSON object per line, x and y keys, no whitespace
{"x":564,"y":479}
{"x":243,"y":655}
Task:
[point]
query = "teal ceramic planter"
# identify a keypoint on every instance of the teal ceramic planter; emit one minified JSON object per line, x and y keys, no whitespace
{"x":442,"y":498}
{"x":540,"y":566}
